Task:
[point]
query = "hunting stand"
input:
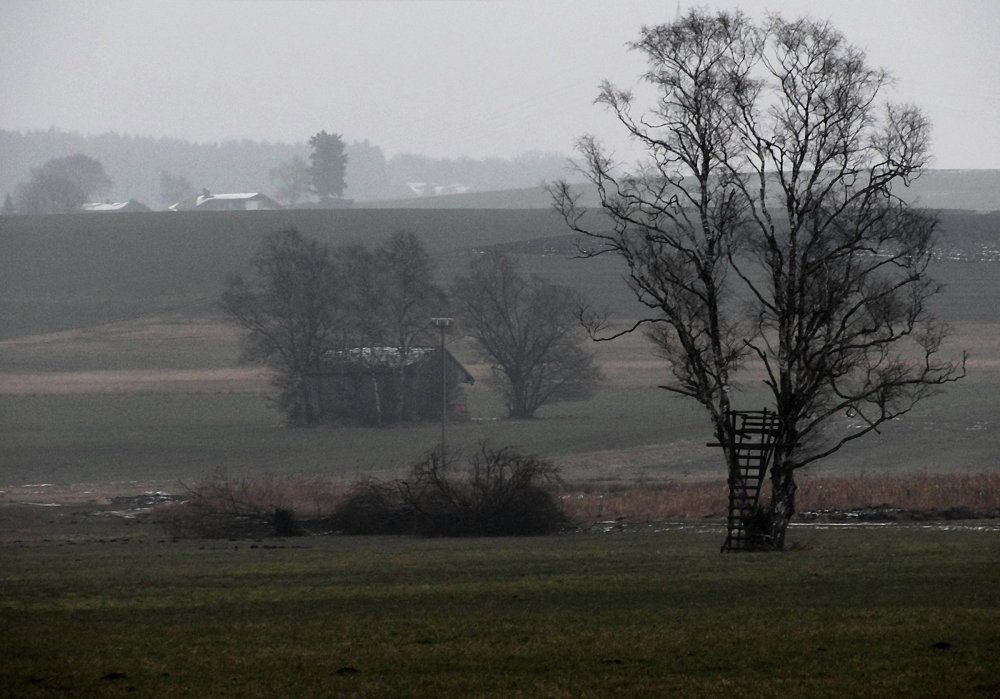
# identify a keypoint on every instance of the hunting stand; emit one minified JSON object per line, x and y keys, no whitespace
{"x":755,"y":435}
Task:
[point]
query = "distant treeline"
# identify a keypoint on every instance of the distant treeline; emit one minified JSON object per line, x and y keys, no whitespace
{"x":135,"y":164}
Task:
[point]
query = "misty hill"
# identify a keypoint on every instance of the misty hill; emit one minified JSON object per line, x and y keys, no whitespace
{"x":69,"y":271}
{"x":968,"y":190}
{"x":134,"y":163}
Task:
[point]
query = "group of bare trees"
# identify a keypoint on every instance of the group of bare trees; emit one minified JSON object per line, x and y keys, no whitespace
{"x":303,"y":299}
{"x":765,"y":225}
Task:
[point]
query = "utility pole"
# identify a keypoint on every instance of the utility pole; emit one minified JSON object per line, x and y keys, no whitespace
{"x":443,"y":324}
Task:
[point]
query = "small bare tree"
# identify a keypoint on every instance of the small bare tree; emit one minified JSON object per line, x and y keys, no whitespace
{"x":292,"y":311}
{"x":528,"y":329}
{"x":291,"y":180}
{"x":174,"y":188}
{"x":764,"y":224}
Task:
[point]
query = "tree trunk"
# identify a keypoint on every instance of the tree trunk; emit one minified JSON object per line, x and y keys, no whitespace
{"x":782,"y":505}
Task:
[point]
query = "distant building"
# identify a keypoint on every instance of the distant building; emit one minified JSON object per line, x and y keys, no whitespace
{"x":432,"y":189}
{"x":363,"y":385}
{"x":119,"y":206}
{"x":242,"y":201}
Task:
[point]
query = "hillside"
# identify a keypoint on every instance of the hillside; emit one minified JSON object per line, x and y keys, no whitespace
{"x":115,"y":364}
{"x":969,"y":190}
{"x":60,"y":272}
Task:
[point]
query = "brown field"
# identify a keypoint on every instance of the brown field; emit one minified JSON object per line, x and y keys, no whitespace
{"x":232,"y":380}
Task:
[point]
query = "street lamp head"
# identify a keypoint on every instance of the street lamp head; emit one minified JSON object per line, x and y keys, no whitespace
{"x":442,"y":322}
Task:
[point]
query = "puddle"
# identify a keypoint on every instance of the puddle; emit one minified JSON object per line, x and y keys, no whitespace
{"x":132,"y":506}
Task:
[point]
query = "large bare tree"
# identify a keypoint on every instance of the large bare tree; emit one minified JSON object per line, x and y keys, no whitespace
{"x":292,"y":309}
{"x":528,"y":330}
{"x":766,"y":224}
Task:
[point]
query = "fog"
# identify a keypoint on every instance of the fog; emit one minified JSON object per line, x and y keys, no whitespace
{"x":443,"y":79}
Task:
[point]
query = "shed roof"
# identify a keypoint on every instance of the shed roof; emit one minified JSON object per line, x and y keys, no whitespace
{"x":131,"y":204}
{"x":387,"y":358}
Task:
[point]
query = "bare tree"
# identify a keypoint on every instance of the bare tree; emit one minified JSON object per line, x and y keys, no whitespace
{"x":529,"y":331}
{"x":8,"y":208}
{"x":291,"y":180}
{"x":392,"y":297}
{"x":409,"y":298}
{"x":764,"y":225}
{"x":292,"y":310}
{"x":174,"y":188}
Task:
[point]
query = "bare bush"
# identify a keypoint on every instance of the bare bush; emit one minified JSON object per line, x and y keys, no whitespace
{"x":224,"y":507}
{"x":373,"y":508}
{"x":499,"y":493}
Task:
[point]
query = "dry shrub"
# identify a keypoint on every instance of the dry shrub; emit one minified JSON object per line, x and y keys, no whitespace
{"x":223,"y":507}
{"x":975,"y":493}
{"x":499,"y":493}
{"x":373,"y":508}
{"x":646,"y":502}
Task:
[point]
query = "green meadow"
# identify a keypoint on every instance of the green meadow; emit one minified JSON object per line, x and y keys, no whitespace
{"x":850,"y":613}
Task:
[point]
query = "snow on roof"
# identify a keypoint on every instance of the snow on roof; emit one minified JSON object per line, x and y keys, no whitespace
{"x":108,"y":206}
{"x":386,"y":357}
{"x":379,"y":356}
{"x":114,"y":206}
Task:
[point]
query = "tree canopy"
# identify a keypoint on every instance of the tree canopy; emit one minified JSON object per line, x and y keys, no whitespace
{"x":765,"y":226}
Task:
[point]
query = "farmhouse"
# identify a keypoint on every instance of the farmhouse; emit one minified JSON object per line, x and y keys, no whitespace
{"x":241,"y":201}
{"x":380,"y":385}
{"x":115,"y":207}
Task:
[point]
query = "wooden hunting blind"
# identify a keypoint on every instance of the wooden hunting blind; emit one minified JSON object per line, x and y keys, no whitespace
{"x":755,"y":434}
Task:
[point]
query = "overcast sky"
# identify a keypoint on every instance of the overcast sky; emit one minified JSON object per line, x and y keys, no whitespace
{"x":441,"y":79}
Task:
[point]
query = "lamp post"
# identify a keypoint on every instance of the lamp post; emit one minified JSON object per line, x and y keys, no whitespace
{"x":443,"y":324}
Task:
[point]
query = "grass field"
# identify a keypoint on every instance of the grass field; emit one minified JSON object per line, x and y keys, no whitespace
{"x":852,"y":613}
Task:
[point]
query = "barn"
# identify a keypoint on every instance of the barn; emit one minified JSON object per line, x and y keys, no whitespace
{"x":238,"y":201}
{"x":129,"y":206}
{"x":383,"y":385}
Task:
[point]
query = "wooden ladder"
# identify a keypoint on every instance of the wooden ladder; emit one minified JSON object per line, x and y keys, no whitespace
{"x":755,"y":432}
